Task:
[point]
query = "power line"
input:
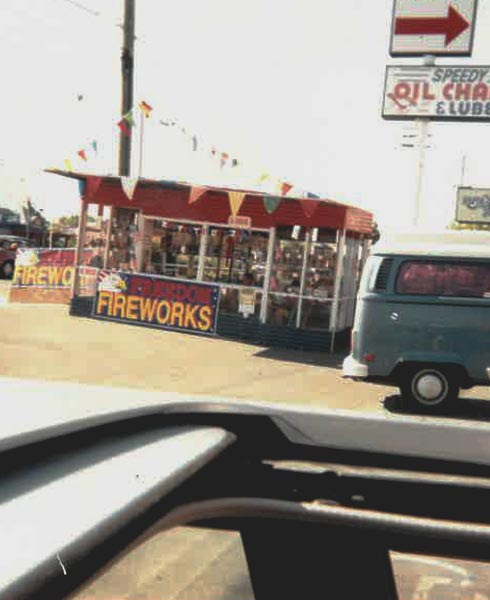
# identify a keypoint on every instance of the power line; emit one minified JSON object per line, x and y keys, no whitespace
{"x":81,"y":6}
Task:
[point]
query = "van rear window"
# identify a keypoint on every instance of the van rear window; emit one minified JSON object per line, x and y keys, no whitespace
{"x":444,"y":278}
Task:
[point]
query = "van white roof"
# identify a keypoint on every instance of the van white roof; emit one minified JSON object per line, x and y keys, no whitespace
{"x":467,"y":244}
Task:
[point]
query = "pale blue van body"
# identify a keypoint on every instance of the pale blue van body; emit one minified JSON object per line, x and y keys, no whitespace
{"x":397,"y":333}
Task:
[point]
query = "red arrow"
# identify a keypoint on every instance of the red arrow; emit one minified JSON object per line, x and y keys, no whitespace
{"x":451,"y":26}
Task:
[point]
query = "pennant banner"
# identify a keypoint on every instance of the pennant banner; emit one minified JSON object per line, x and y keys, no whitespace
{"x":309,"y":207}
{"x":195,"y":193}
{"x":271,"y":203}
{"x":123,"y":127}
{"x":81,"y":153}
{"x":81,"y":187}
{"x":285,"y":187}
{"x":236,"y":199}
{"x":94,"y":146}
{"x":145,"y":108}
{"x":128,"y":117}
{"x":68,"y":165}
{"x":129,"y":185}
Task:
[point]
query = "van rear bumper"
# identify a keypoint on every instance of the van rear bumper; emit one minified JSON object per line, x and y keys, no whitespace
{"x":354,"y":369}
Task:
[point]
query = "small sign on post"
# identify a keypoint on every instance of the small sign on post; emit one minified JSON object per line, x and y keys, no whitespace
{"x":473,"y":205}
{"x":437,"y":27}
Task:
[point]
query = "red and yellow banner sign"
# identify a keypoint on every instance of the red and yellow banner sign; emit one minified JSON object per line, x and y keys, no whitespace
{"x":46,"y":268}
{"x":152,"y":301}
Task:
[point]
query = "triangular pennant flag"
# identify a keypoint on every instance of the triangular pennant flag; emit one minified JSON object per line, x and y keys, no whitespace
{"x":94,"y":146}
{"x":129,"y":185}
{"x":123,"y":127}
{"x":68,"y":165}
{"x":194,"y":143}
{"x":285,"y":187}
{"x":81,"y":187}
{"x":223,"y":159}
{"x":271,"y":203}
{"x":309,"y":207}
{"x":146,"y":108}
{"x":234,"y":162}
{"x":236,"y":199}
{"x":81,"y":153}
{"x":196,"y":193}
{"x":213,"y":150}
{"x":128,"y":117}
{"x":263,"y":177}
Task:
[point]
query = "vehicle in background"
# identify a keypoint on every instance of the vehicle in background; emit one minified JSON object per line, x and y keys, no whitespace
{"x":423,"y":317}
{"x":8,"y":249}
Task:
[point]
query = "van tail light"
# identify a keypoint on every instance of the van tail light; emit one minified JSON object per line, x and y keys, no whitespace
{"x":369,"y":357}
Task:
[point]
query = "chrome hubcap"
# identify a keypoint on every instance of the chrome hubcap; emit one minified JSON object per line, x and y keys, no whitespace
{"x":430,"y":388}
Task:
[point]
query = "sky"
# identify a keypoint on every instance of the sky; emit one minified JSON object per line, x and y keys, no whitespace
{"x":289,"y":87}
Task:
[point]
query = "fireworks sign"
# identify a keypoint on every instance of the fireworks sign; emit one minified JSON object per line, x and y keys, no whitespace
{"x":160,"y":302}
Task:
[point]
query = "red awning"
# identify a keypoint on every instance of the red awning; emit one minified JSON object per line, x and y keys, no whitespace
{"x":172,"y":200}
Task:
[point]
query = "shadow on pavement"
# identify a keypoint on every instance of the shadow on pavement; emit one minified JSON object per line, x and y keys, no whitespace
{"x":319,"y":359}
{"x":471,"y":409}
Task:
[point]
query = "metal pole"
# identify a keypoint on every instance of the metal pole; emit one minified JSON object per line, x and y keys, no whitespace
{"x":140,"y":247}
{"x":267,"y":275}
{"x":142,"y":125}
{"x":303,"y":277}
{"x":108,"y":237}
{"x":339,"y":268}
{"x":463,"y":169}
{"x":80,"y":247}
{"x":423,"y":126}
{"x":203,"y":244}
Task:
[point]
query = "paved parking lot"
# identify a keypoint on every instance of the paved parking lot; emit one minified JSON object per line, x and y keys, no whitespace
{"x":43,"y":342}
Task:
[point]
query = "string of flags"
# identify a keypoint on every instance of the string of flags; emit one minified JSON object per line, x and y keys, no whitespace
{"x":280,"y":188}
{"x":128,"y":120}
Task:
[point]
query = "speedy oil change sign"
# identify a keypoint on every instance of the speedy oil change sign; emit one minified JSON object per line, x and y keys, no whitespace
{"x":444,"y":93}
{"x":157,"y":302}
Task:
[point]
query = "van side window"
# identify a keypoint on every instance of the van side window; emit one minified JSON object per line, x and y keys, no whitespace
{"x":444,"y":278}
{"x":377,"y":273}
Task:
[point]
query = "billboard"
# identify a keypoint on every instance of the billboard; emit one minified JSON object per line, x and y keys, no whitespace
{"x":446,"y":93}
{"x":153,"y":301}
{"x":473,"y":205}
{"x":436,"y":27}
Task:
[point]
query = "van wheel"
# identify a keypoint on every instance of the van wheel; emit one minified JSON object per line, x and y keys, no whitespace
{"x":430,"y":389}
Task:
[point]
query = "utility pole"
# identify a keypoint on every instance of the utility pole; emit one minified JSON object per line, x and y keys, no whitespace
{"x":127,"y":69}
